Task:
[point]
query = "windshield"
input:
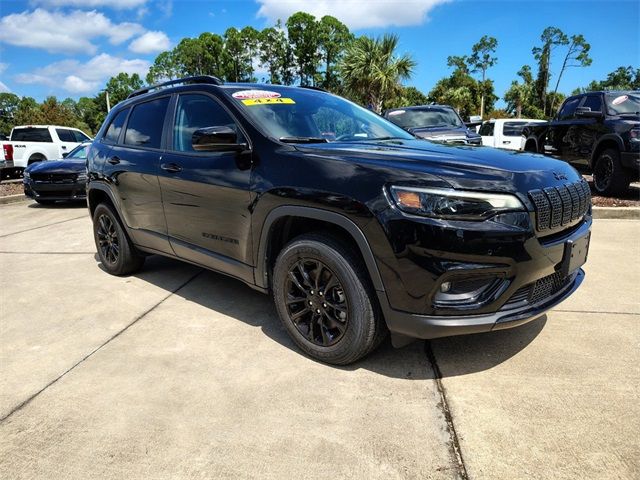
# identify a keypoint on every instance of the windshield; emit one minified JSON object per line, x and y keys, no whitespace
{"x":305,"y":115}
{"x":623,"y":103}
{"x":425,"y":117}
{"x":78,"y":153}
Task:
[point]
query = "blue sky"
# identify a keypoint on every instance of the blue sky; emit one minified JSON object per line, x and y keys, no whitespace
{"x":69,"y":48}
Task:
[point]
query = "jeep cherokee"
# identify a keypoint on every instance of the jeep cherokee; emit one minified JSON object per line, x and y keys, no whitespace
{"x":354,"y":226}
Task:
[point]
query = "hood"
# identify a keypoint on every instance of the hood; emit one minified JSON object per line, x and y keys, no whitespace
{"x":465,"y":167}
{"x":58,"y":166}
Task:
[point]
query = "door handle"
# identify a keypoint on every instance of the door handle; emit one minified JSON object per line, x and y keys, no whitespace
{"x":171,"y":167}
{"x":114,"y":160}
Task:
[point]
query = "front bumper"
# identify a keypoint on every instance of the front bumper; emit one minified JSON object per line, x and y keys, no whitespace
{"x":427,"y":326}
{"x":55,"y":191}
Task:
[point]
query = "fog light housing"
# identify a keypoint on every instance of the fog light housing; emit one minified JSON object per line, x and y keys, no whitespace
{"x":469,"y":292}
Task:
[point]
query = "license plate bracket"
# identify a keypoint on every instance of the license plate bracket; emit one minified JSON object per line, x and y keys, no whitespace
{"x":575,"y":254}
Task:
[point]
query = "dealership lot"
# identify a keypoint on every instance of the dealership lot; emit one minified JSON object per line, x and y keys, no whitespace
{"x":178,"y":371}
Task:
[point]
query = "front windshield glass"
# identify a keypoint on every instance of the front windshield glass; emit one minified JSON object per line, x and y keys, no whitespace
{"x":78,"y":153}
{"x":623,"y":103}
{"x":425,"y":117}
{"x":299,"y":115}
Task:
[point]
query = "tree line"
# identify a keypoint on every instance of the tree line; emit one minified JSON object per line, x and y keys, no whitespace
{"x":324,"y":53}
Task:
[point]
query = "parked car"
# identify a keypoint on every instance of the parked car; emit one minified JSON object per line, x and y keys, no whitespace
{"x":35,"y":143}
{"x":66,"y":179}
{"x":437,"y":123}
{"x":505,"y":133}
{"x":372,"y":231}
{"x":598,"y":132}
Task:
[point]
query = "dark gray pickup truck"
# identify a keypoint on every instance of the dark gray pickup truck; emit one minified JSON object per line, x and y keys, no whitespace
{"x":597,"y":132}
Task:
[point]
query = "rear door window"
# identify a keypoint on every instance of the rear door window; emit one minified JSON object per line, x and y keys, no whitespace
{"x":79,"y":136}
{"x":113,"y":132}
{"x":65,"y":135}
{"x":144,"y":128}
{"x":513,"y":129}
{"x":486,"y":130}
{"x":31,"y":135}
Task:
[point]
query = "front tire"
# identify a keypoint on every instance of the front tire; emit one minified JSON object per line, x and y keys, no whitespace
{"x":115,"y":250}
{"x":609,"y":176}
{"x":324,"y":300}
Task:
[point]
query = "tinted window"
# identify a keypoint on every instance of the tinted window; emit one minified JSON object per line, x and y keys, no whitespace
{"x":79,"y":152}
{"x":144,"y":128}
{"x":569,"y":109}
{"x":65,"y":135}
{"x":513,"y":129}
{"x":194,"y":112}
{"x":594,"y":102}
{"x":425,"y":117}
{"x":486,"y":130}
{"x":79,"y":136}
{"x":113,"y":132}
{"x":31,"y":135}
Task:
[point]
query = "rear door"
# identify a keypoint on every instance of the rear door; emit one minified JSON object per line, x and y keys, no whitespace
{"x":562,"y":132}
{"x":67,"y":139}
{"x":589,"y":130}
{"x":486,"y":132}
{"x":206,"y":194}
{"x":132,"y":169}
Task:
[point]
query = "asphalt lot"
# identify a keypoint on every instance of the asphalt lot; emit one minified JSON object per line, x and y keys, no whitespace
{"x":178,"y":372}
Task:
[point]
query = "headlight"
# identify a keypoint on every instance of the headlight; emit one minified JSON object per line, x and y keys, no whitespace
{"x":453,"y":204}
{"x":82,"y":176}
{"x":25,"y":174}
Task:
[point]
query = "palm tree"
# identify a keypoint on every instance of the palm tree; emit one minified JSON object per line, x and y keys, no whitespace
{"x":372,"y":72}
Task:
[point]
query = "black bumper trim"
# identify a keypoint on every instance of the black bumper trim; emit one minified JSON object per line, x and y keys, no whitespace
{"x":630,"y":159}
{"x":429,"y":326}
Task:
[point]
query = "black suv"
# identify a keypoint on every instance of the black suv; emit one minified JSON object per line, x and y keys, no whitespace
{"x":596,"y":131}
{"x":353,"y":225}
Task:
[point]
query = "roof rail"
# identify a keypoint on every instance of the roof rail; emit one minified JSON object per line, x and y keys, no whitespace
{"x":210,"y":79}
{"x":312,"y":87}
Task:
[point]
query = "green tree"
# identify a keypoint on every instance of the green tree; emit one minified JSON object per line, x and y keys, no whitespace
{"x":303,"y":36}
{"x":164,"y":68}
{"x":520,"y":96}
{"x":28,"y":112}
{"x":458,"y":63}
{"x":577,"y":55}
{"x":622,"y":78}
{"x":481,"y":60}
{"x":240,"y":49}
{"x":551,"y":38}
{"x":408,"y":96}
{"x":372,"y":71}
{"x":333,"y":38}
{"x":9,"y":103}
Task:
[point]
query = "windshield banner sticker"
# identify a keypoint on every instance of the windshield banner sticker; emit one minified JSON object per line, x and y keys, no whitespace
{"x":620,"y":99}
{"x":267,"y":101}
{"x":255,"y":94}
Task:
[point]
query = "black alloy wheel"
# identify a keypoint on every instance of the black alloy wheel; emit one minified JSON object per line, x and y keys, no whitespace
{"x":316,"y":302}
{"x":108,"y":239}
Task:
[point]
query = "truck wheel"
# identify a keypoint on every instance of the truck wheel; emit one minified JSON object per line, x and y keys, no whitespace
{"x":115,"y":250}
{"x":324,"y":301}
{"x":609,"y":176}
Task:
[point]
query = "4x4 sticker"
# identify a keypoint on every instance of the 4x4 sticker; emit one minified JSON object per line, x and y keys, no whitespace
{"x":267,"y":101}
{"x":255,"y":94}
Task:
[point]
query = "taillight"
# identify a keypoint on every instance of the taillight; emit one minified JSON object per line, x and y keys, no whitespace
{"x":8,"y":152}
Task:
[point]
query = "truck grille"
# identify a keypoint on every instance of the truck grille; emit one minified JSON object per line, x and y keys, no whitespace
{"x":54,"y":177}
{"x":559,"y":206}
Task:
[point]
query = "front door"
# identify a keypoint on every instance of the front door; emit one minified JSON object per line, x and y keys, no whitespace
{"x":206,"y":195}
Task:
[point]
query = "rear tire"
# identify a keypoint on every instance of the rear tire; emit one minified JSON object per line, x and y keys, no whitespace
{"x":609,"y":176}
{"x":324,"y":300}
{"x":115,"y":250}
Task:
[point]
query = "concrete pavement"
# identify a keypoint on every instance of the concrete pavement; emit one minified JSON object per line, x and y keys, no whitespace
{"x":182,"y":373}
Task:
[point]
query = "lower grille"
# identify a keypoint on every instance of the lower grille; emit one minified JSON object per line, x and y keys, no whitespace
{"x":559,"y":206}
{"x":539,"y":291}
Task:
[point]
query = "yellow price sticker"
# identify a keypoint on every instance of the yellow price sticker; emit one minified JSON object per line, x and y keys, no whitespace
{"x":268,"y":101}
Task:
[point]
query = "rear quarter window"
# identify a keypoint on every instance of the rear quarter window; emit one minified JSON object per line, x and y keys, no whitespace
{"x":31,"y":135}
{"x":115,"y":127}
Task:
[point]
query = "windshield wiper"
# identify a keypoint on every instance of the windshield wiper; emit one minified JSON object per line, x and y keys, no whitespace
{"x":303,"y":139}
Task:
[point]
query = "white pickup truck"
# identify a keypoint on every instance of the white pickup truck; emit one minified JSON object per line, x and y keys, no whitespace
{"x":505,"y":132}
{"x":35,"y":143}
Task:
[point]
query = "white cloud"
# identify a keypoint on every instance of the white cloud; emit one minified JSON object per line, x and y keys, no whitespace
{"x":150,"y":42}
{"x":355,"y":14}
{"x":78,"y":78}
{"x":3,"y":67}
{"x":4,"y":88}
{"x":58,"y":32}
{"x":117,"y":4}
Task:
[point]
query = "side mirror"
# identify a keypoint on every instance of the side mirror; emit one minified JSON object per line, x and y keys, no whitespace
{"x":585,"y":112}
{"x":216,"y":139}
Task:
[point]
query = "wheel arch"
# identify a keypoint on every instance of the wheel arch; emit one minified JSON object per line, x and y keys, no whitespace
{"x":606,"y":141}
{"x":99,"y":193}
{"x":531,"y":145}
{"x":276,"y":232}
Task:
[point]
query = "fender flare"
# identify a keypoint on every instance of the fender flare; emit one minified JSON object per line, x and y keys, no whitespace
{"x":606,"y":138}
{"x":261,"y":272}
{"x":103,"y":187}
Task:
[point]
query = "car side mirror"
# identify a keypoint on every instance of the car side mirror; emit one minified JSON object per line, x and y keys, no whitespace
{"x":586,"y":112}
{"x":216,"y":139}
